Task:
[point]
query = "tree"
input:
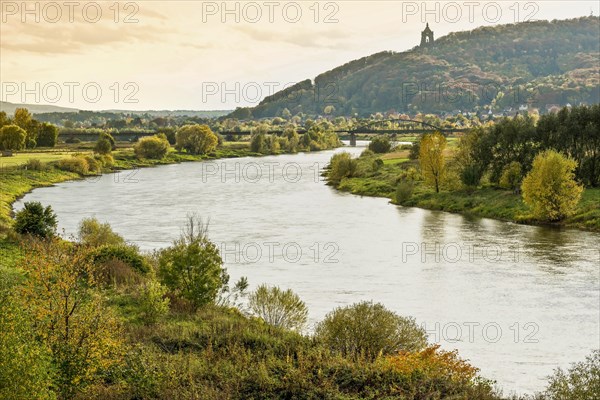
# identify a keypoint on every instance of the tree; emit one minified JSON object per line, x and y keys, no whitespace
{"x":380,"y":144}
{"x":280,"y":308}
{"x":511,"y":177}
{"x":341,"y":166}
{"x":550,"y":189}
{"x":12,"y":137}
{"x":432,"y":160}
{"x":22,"y":118}
{"x":580,"y":382}
{"x":94,"y":234}
{"x":103,"y":146}
{"x":36,"y":220}
{"x":153,"y":147}
{"x":70,"y":317}
{"x":367,"y":329}
{"x":196,"y":139}
{"x":47,"y":135}
{"x":192,"y":267}
{"x":110,"y":138}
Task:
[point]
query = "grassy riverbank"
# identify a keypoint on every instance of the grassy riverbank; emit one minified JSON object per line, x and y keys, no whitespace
{"x":486,"y":201}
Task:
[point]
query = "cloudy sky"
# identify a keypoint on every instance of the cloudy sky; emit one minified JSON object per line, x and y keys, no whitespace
{"x":215,"y":55}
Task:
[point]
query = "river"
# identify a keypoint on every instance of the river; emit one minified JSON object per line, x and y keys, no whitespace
{"x":515,"y":300}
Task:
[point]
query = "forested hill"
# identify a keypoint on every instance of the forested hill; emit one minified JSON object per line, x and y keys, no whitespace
{"x":538,"y":63}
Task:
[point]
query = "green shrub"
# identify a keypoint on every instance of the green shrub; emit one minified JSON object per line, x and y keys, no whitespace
{"x":94,"y":166}
{"x":153,"y":147}
{"x":368,"y":330}
{"x":127,"y":254}
{"x":47,"y":135}
{"x":73,"y":140}
{"x":103,"y":146}
{"x":404,"y":191}
{"x":196,"y":139}
{"x":95,"y":234}
{"x":153,"y":302}
{"x":34,"y":164}
{"x":341,"y":166}
{"x":192,"y":267}
{"x":258,"y":143}
{"x":580,"y":382}
{"x":511,"y":176}
{"x":106,"y":160}
{"x":471,"y":175}
{"x":380,"y":145}
{"x":36,"y":220}
{"x":280,"y":308}
{"x":75,"y":164}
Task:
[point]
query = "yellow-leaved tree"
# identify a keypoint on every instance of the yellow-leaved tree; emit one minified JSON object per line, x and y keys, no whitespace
{"x":69,"y":315}
{"x":432,"y":160}
{"x":550,"y":188}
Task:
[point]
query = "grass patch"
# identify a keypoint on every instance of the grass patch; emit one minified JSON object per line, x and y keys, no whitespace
{"x":19,"y":159}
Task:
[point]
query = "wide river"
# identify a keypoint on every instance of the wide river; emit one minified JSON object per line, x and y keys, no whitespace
{"x":517,"y":301}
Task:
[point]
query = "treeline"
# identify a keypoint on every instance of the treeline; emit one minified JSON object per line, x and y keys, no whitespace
{"x":573,"y":132}
{"x":23,"y":131}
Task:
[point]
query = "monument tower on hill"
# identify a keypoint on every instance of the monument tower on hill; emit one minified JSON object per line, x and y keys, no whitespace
{"x":427,"y":37}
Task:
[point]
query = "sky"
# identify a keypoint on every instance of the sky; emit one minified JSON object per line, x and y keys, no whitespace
{"x":215,"y":55}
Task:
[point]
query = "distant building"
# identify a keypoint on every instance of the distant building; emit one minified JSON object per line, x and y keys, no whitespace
{"x":427,"y":37}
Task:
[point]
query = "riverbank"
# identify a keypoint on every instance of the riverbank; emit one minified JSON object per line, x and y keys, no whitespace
{"x":483,"y":202}
{"x":18,"y":180}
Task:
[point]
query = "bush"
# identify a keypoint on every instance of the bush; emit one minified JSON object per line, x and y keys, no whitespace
{"x":196,"y":139}
{"x":192,"y":268}
{"x":380,"y":144}
{"x":377,"y":164}
{"x":258,"y":143}
{"x":25,"y":363}
{"x":368,"y":330}
{"x":94,"y":166}
{"x":73,"y":140}
{"x":34,"y":164}
{"x":404,"y":191}
{"x":103,"y":146}
{"x":95,"y":234}
{"x":75,"y":164}
{"x":127,"y":254}
{"x":153,"y":303}
{"x":153,"y":147}
{"x":550,"y":189}
{"x":36,"y":220}
{"x":341,"y":166}
{"x":434,"y":365}
{"x":471,"y":175}
{"x":511,"y":177}
{"x":106,"y":160}
{"x":580,"y":382}
{"x":279,"y":308}
{"x":12,"y":138}
{"x":415,"y":149}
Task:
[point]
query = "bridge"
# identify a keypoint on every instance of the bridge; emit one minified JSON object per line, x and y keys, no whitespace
{"x":381,"y":127}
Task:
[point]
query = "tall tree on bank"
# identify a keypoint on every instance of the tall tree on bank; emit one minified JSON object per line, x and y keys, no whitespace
{"x":432,"y":160}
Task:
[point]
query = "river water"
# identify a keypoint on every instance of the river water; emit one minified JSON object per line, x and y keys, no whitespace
{"x":517,"y":301}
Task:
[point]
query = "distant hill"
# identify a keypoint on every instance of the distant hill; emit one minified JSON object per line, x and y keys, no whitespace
{"x":539,"y":63}
{"x":10,"y":108}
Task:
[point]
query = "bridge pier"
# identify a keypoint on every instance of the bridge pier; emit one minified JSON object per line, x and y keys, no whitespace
{"x":353,"y":139}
